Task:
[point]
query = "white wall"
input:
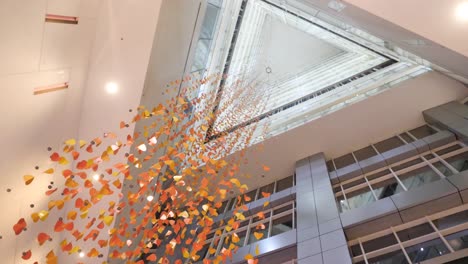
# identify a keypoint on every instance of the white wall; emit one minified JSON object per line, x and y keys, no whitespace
{"x":32,"y":54}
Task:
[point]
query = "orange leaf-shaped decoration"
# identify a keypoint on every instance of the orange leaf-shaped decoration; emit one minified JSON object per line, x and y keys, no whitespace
{"x":51,"y":258}
{"x":71,"y":215}
{"x":93,"y":253}
{"x":151,"y":257}
{"x":49,"y":171}
{"x":42,"y":238}
{"x":20,"y":226}
{"x":26,"y":255}
{"x":266,"y":168}
{"x":28,"y":179}
{"x":50,"y":192}
{"x":258,"y":235}
{"x":55,"y":157}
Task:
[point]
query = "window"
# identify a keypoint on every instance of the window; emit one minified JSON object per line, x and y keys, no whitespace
{"x":344,"y":161}
{"x":459,"y":162}
{"x":387,"y":188}
{"x":284,"y":184}
{"x":414,"y":232}
{"x":418,"y":177}
{"x":420,"y":239}
{"x":389,"y":144}
{"x":406,"y":137}
{"x":365,"y":153}
{"x":268,"y":189}
{"x":426,"y":250}
{"x":282,"y":225}
{"x":276,"y":221}
{"x":378,"y":243}
{"x":407,"y":164}
{"x":422,"y":131}
{"x":360,"y":198}
{"x":403,"y":176}
{"x":458,"y":241}
{"x":443,"y":169}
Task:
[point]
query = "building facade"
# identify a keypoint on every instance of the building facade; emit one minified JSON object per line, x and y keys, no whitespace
{"x":401,"y":200}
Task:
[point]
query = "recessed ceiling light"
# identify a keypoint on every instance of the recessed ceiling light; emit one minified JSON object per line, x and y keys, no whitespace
{"x":112,"y":87}
{"x":338,"y":6}
{"x":462,"y":11}
{"x":82,"y":254}
{"x":96,"y":177}
{"x":150,"y":198}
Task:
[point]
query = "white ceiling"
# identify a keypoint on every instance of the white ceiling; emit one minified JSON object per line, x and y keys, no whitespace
{"x":288,"y":50}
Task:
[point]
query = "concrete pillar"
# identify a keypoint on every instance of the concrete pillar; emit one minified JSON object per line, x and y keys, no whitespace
{"x":320,"y":235}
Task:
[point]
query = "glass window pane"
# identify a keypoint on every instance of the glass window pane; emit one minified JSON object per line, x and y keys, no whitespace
{"x":422,"y":132}
{"x":427,"y":250}
{"x":242,"y":235}
{"x":407,"y":164}
{"x":414,"y":232}
{"x":209,"y":22}
{"x":365,"y":153}
{"x":216,"y":2}
{"x":268,"y":189}
{"x":379,"y":243}
{"x":459,"y":240}
{"x":356,"y":250}
{"x":282,"y":209}
{"x":256,"y":218}
{"x":429,"y":156}
{"x":451,"y":220}
{"x":390,"y":258}
{"x":387,"y":188}
{"x":354,"y":183}
{"x":330,"y":166}
{"x":407,"y":137}
{"x":360,"y":198}
{"x":201,"y":54}
{"x":344,"y":161}
{"x":378,"y":175}
{"x":459,"y":162}
{"x":284,"y":184}
{"x":341,"y":204}
{"x":223,"y":207}
{"x":203,"y":252}
{"x":254,"y":230}
{"x":281,"y":225}
{"x":448,"y":149}
{"x":251,"y":195}
{"x":388,"y":144}
{"x":442,"y":168}
{"x":418,"y":177}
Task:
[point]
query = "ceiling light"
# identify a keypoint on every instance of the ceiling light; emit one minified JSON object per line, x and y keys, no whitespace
{"x":462,"y":11}
{"x":150,"y":198}
{"x":422,"y":249}
{"x":338,"y":6}
{"x":112,"y":87}
{"x":96,"y":177}
{"x":82,"y":254}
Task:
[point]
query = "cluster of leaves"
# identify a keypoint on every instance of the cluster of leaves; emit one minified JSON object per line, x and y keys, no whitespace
{"x":170,"y":161}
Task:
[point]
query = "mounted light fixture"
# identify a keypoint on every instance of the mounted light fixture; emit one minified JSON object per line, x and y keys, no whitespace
{"x":61,"y":19}
{"x":462,"y":12}
{"x":50,"y":88}
{"x":112,"y":87}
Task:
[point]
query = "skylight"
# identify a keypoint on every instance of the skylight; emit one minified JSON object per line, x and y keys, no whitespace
{"x":304,"y":67}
